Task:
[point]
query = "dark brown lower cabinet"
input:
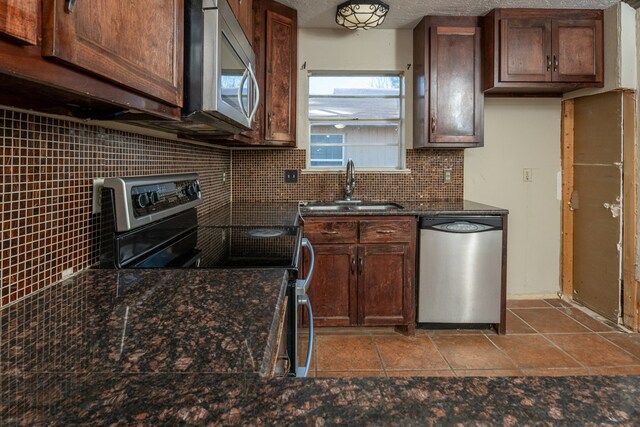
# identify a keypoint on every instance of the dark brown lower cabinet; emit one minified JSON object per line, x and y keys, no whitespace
{"x":333,"y":288}
{"x":365,"y":275}
{"x":382,"y":282}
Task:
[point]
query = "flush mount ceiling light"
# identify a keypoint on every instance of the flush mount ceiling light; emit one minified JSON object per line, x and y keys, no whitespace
{"x":361,"y":14}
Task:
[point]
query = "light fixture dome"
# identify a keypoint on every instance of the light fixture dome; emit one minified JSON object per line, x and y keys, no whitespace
{"x":361,"y":14}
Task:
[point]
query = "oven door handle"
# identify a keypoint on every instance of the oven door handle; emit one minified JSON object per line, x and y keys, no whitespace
{"x":303,"y":284}
{"x":302,"y":371}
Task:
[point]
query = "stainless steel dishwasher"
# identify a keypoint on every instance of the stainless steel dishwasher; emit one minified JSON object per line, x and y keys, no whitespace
{"x":460,"y":270}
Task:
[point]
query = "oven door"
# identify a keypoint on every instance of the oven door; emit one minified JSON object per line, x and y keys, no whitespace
{"x":302,"y":302}
{"x":230,"y":86}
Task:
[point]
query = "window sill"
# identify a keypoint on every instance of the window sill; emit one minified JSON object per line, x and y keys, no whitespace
{"x":358,"y":170}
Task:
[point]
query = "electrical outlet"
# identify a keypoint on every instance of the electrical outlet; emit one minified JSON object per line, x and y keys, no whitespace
{"x":97,"y":195}
{"x":527,"y":175}
{"x":291,"y":176}
{"x":446,"y":176}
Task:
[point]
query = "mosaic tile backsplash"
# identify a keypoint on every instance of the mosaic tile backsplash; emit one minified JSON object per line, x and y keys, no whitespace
{"x":259,"y":176}
{"x":48,"y":166}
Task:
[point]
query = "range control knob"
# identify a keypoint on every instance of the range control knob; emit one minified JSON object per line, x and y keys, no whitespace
{"x":141,"y":200}
{"x":154,"y":197}
{"x":191,"y":190}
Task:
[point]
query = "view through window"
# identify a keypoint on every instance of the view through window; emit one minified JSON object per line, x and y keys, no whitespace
{"x":355,"y":117}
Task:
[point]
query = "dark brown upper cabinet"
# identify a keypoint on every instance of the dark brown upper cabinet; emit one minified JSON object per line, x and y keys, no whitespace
{"x":19,"y":20}
{"x":92,"y":59}
{"x":135,"y":44}
{"x":542,"y":51}
{"x":276,"y":45}
{"x":243,"y":10}
{"x":448,"y":100}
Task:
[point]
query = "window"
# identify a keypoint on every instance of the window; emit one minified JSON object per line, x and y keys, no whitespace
{"x":328,"y":150}
{"x":355,"y":117}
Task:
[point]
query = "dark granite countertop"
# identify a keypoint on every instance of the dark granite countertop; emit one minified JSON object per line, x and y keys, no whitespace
{"x":420,"y":208}
{"x":223,"y":399}
{"x":174,"y":347}
{"x":286,"y":213}
{"x":252,"y":214}
{"x":125,"y":321}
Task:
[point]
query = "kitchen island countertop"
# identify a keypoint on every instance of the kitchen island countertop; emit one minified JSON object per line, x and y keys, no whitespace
{"x":176,"y":346}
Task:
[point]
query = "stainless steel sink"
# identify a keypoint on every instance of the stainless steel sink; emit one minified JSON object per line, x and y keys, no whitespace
{"x":350,"y":205}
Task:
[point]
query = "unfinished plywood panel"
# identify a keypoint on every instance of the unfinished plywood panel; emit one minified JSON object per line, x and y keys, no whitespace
{"x":596,"y":201}
{"x":567,"y":189}
{"x":630,"y":286}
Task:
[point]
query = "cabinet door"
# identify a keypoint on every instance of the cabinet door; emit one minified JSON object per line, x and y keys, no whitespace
{"x":382,"y":284}
{"x":456,"y":101}
{"x":137,"y":44}
{"x":332,"y":290}
{"x":525,"y":50}
{"x":243,"y":10}
{"x":577,"y":50}
{"x":19,"y":20}
{"x":280,"y":84}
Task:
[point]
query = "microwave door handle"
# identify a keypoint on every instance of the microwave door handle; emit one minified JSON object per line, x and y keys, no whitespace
{"x":256,"y":99}
{"x":242,"y":81}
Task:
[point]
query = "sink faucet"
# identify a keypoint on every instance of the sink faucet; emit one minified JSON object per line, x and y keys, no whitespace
{"x":350,"y":180}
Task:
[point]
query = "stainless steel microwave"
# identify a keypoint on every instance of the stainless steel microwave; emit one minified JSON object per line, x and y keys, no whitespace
{"x":221,"y":88}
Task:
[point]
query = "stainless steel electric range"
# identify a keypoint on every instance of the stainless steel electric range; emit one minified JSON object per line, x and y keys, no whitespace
{"x":152,"y":222}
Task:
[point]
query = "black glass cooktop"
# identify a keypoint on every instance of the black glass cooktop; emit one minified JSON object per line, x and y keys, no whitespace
{"x":229,"y":247}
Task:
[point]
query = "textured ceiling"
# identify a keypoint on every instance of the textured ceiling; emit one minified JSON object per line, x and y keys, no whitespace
{"x":407,"y":13}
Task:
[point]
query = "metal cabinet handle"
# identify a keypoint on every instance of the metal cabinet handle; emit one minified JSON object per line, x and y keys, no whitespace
{"x":385,"y":231}
{"x":269,"y":120}
{"x":328,"y":232}
{"x":353,"y":265}
{"x":361,"y":265}
{"x":433,"y":124}
{"x":548,"y":63}
{"x":70,"y":6}
{"x":555,"y":63}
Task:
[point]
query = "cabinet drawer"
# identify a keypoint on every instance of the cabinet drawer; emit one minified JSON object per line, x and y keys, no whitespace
{"x":374,"y":231}
{"x":331,"y":231}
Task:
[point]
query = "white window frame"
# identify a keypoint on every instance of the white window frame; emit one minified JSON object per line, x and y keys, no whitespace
{"x":401,"y":144}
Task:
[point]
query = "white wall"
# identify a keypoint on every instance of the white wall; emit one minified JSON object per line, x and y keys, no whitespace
{"x":336,"y":50}
{"x":522,"y":133}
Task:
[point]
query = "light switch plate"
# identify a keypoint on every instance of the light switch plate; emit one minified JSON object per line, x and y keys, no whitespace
{"x":527,"y":175}
{"x":291,"y":176}
{"x":446,"y":176}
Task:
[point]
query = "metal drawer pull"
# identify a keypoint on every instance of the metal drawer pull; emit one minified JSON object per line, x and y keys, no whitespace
{"x":70,"y":6}
{"x":328,"y":232}
{"x":385,"y":231}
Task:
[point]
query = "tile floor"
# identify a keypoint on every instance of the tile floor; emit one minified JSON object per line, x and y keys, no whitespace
{"x":544,"y":337}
